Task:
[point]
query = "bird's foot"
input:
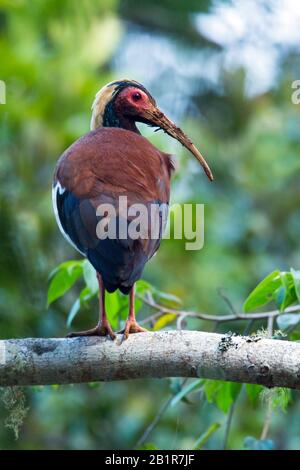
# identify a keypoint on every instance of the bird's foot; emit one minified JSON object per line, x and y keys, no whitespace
{"x":102,"y":329}
{"x":131,"y":326}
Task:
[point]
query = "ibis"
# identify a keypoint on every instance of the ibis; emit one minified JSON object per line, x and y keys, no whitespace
{"x":114,"y":160}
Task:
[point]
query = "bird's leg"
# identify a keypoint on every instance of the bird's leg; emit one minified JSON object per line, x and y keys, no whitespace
{"x":103,"y":327}
{"x":131,"y":325}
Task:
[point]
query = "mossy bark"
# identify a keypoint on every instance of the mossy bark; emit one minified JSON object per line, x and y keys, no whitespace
{"x":150,"y":355}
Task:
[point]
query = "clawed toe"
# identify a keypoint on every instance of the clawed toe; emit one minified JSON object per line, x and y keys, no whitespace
{"x":99,"y":330}
{"x":131,"y":327}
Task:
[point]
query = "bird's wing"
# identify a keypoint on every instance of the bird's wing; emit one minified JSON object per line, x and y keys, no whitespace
{"x":97,"y":169}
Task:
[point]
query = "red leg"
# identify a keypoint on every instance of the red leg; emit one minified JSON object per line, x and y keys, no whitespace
{"x":103,"y":327}
{"x":131,"y":325}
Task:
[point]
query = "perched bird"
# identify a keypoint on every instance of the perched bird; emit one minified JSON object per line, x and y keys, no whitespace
{"x":115,"y":160}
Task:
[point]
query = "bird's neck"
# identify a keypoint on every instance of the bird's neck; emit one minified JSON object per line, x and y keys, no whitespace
{"x":113,"y":118}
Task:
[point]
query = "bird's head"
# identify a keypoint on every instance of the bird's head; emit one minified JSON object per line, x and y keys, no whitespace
{"x":122,"y":103}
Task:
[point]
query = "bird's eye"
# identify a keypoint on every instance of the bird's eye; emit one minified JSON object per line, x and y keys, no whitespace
{"x":136,"y":96}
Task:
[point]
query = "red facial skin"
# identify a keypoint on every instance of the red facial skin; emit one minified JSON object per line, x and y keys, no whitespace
{"x":132,"y":102}
{"x":135,"y":105}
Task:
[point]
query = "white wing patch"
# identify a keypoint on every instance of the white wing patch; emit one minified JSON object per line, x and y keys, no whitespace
{"x":59,"y":189}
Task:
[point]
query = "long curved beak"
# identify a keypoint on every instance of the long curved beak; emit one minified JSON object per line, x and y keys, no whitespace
{"x":155,"y":117}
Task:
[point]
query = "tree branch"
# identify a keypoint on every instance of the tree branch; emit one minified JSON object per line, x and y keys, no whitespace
{"x":162,"y":354}
{"x":161,"y":310}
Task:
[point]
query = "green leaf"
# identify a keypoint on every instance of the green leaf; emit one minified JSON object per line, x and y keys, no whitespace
{"x":82,"y":301}
{"x":112,"y":306}
{"x":280,"y":398}
{"x":264,"y":292}
{"x":296,"y":279}
{"x":202,"y":440}
{"x":223,"y":394}
{"x":90,"y":276}
{"x":285,"y":320}
{"x":142,"y":286}
{"x":253,"y":391}
{"x":85,"y":296}
{"x":73,"y":312}
{"x":164,"y":320}
{"x":286,"y":294}
{"x":67,"y":266}
{"x":194,"y":385}
{"x":251,"y":443}
{"x":62,"y":281}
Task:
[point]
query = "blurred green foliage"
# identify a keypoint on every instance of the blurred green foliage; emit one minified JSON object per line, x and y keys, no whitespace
{"x":54,"y":56}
